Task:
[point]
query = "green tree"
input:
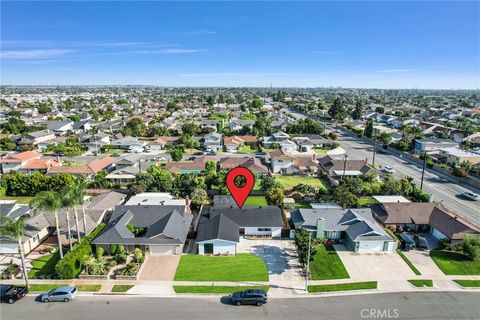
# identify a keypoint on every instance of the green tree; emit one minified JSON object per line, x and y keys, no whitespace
{"x":257,"y":103}
{"x":15,"y":230}
{"x":134,"y":127}
{"x":358,"y":111}
{"x":275,"y":196}
{"x":177,"y":154}
{"x":199,"y":197}
{"x":368,"y":132}
{"x":49,"y":201}
{"x":189,"y":129}
{"x":471,"y":247}
{"x":338,"y":110}
{"x":344,"y":197}
{"x":267,"y":182}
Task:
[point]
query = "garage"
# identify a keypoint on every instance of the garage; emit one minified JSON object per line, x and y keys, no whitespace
{"x":370,"y":246}
{"x":157,"y":249}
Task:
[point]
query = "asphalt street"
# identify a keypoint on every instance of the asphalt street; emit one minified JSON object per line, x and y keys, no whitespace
{"x":442,"y":188}
{"x":424,"y":305}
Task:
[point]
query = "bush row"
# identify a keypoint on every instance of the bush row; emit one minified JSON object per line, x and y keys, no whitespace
{"x":71,"y":264}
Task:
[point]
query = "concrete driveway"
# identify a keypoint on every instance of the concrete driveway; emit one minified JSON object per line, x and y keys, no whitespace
{"x":160,"y":267}
{"x":285,"y":272}
{"x":422,"y":261}
{"x":374,"y":266}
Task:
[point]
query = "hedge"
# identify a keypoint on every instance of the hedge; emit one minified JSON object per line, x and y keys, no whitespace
{"x":71,"y":264}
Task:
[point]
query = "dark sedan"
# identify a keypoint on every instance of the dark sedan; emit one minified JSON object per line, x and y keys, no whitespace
{"x":10,"y":293}
{"x":253,"y":297}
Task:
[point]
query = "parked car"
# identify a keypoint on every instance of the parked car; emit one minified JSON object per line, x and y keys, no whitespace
{"x":10,"y":293}
{"x":471,"y":196}
{"x":64,"y":294}
{"x":421,"y":242}
{"x":388,"y":169}
{"x":253,"y":297}
{"x":406,"y":241}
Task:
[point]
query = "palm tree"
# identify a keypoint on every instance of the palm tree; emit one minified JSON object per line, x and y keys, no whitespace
{"x":49,"y":201}
{"x":76,"y":195}
{"x":82,"y":185}
{"x":66,"y":201}
{"x":15,"y":229}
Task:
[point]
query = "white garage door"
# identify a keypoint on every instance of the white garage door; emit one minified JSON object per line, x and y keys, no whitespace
{"x":162,"y":249}
{"x":371,"y":246}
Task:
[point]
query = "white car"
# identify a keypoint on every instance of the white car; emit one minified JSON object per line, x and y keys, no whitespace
{"x":471,"y":196}
{"x":388,"y":169}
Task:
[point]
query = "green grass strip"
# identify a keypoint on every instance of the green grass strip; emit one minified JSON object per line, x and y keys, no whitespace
{"x":468,"y":283}
{"x":121,"y":287}
{"x":421,"y":282}
{"x":410,"y":264}
{"x":343,"y":286}
{"x":215,"y":289}
{"x":45,"y":287}
{"x":89,"y":287}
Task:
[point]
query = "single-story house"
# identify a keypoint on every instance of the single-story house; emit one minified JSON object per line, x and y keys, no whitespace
{"x":212,"y":142}
{"x":356,"y":226}
{"x":336,"y":168}
{"x":233,"y":143}
{"x":221,"y":226}
{"x":195,"y":166}
{"x":423,"y":216}
{"x":253,"y":164}
{"x":89,"y":170}
{"x":160,"y":229}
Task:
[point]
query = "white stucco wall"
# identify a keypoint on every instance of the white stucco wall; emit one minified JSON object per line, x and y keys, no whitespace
{"x":219,"y":247}
{"x":274,"y":232}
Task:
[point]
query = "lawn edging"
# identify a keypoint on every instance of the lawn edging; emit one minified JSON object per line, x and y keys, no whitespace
{"x":179,"y":289}
{"x":454,"y":263}
{"x":409,"y":263}
{"x":349,"y":286}
{"x":327,"y":265}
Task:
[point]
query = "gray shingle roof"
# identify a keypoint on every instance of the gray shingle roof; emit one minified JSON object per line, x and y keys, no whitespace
{"x":165,"y":225}
{"x":258,"y":217}
{"x":218,"y":227}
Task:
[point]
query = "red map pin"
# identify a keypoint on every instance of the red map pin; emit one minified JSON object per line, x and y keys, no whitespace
{"x":240,"y":194}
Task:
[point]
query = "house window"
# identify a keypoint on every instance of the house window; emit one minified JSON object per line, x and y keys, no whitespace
{"x":265,"y":229}
{"x":208,"y":248}
{"x":36,"y":238}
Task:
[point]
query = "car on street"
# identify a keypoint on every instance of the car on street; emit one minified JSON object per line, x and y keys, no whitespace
{"x":64,"y":294}
{"x":10,"y":293}
{"x":251,"y":296}
{"x":388,"y":169}
{"x":421,"y":242}
{"x":406,"y":240}
{"x":471,"y":196}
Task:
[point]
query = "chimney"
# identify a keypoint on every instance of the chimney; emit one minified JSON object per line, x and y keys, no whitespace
{"x":187,"y":205}
{"x":366,"y":160}
{"x":320,"y":228}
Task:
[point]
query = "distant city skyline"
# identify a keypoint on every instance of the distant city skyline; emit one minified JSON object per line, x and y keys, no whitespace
{"x":404,"y":45}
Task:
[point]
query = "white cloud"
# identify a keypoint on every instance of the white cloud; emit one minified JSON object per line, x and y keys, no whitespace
{"x":201,"y":31}
{"x":168,"y":51}
{"x":33,"y":54}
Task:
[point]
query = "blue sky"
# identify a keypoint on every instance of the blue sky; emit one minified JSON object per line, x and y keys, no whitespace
{"x":300,"y":44}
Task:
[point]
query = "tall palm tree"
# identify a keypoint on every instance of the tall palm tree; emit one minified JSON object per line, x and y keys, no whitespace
{"x":49,"y":201}
{"x":77,"y":195}
{"x":15,"y":229}
{"x":66,"y":201}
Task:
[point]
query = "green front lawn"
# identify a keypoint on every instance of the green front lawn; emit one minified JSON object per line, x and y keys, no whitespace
{"x":242,"y":267}
{"x":327,"y":265}
{"x":410,"y":264}
{"x":22,"y":200}
{"x":246,"y":150}
{"x":288,"y":182}
{"x":321,"y":151}
{"x":343,"y":286}
{"x":44,"y":267}
{"x":255,"y":201}
{"x":451,"y":262}
{"x":421,"y":282}
{"x":121,"y":287}
{"x":89,"y":287}
{"x":365,"y":201}
{"x":45,"y":287}
{"x":215,"y":289}
{"x":468,"y":283}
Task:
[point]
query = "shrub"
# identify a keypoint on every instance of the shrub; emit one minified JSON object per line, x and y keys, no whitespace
{"x":113,"y":249}
{"x":121,"y":249}
{"x":99,"y":252}
{"x":444,"y":244}
{"x":120,"y":258}
{"x":138,"y":254}
{"x":471,"y":247}
{"x":71,"y":264}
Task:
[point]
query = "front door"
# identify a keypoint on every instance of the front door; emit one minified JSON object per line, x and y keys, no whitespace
{"x":208,"y":248}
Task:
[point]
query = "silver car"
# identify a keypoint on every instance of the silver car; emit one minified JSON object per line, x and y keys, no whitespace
{"x":64,"y":294}
{"x":471,"y":196}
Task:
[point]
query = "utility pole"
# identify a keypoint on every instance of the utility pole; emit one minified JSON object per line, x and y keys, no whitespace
{"x":374,"y":147}
{"x":308,"y":260}
{"x":344,"y":165}
{"x":423,"y":168}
